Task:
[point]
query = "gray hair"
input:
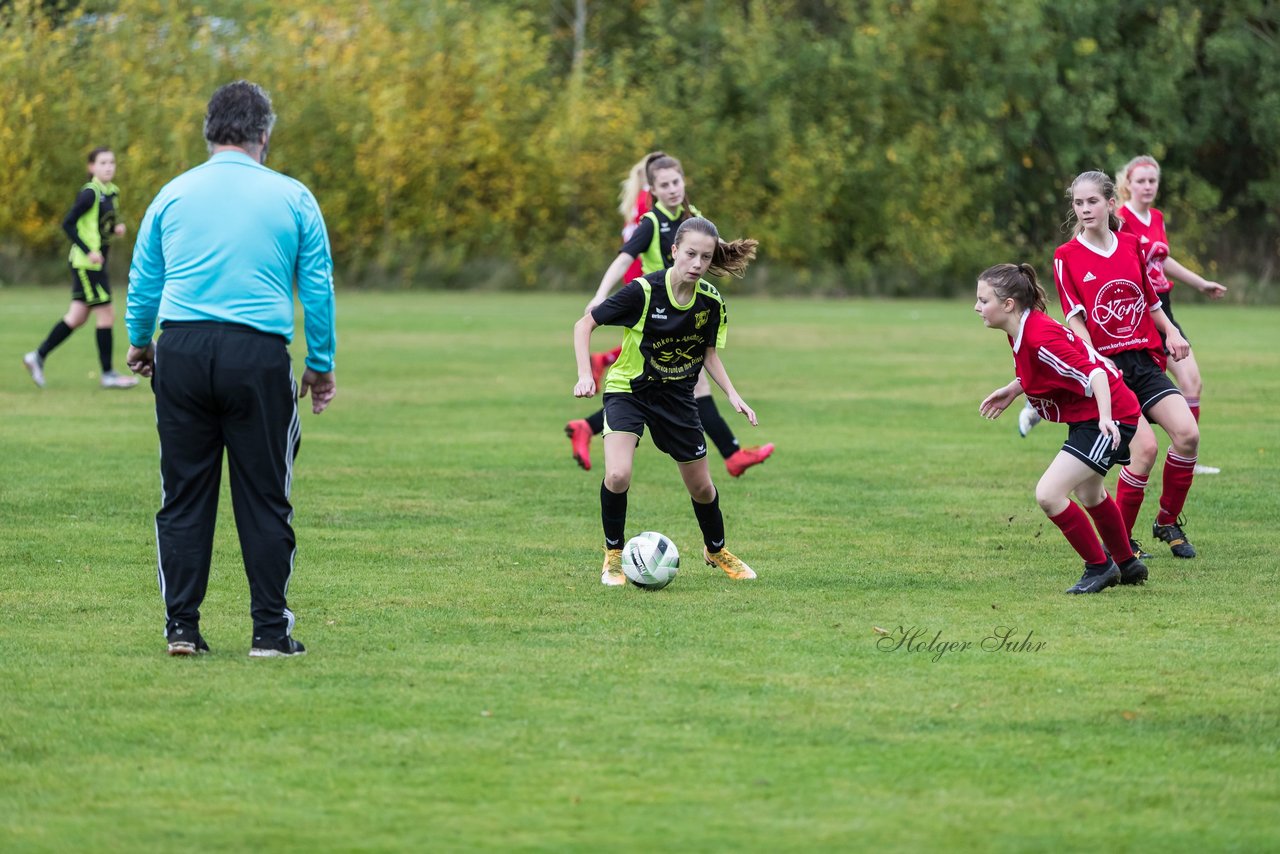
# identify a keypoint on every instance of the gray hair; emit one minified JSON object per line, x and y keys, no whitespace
{"x":239,"y":113}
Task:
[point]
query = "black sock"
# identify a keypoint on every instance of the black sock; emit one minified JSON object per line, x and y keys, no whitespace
{"x":715,"y":427}
{"x":104,"y":349}
{"x":613,"y":516}
{"x":596,"y":420}
{"x":59,"y":333}
{"x":711,"y":522}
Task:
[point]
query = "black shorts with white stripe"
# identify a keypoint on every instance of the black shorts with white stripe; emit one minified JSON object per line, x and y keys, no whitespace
{"x":1088,"y":444}
{"x":1144,"y":378}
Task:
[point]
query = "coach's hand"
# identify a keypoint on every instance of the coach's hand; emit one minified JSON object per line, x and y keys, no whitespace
{"x":141,"y":360}
{"x":322,"y":386}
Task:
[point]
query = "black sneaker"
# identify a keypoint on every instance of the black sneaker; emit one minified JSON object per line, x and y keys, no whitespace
{"x":276,"y":648}
{"x":1137,"y":550}
{"x":1172,"y":534}
{"x":184,"y":641}
{"x":1097,"y":577}
{"x":1133,"y":571}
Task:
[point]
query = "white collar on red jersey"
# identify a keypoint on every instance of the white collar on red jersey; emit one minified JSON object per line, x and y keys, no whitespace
{"x":1108,"y":252}
{"x":1145,"y":220}
{"x":1022,"y":325}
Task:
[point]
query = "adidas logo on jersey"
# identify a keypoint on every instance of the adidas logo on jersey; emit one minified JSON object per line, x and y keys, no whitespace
{"x":1089,"y":277}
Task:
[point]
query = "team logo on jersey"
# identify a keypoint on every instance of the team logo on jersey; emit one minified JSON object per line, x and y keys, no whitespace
{"x":1118,"y":308}
{"x":700,"y":319}
{"x":1089,"y":277}
{"x":1155,"y":254}
{"x":1047,"y":408}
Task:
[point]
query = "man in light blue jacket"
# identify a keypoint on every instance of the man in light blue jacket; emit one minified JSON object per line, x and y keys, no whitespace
{"x":215,"y":263}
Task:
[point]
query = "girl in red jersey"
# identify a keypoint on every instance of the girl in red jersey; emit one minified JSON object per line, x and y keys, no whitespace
{"x":1109,"y":302}
{"x":1067,"y":382}
{"x":1136,"y":188}
{"x":633,"y":203}
{"x":649,"y":244}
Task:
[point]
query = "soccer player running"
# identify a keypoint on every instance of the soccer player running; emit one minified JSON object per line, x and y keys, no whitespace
{"x":674,"y":325}
{"x":1067,"y":382}
{"x":1136,"y":188}
{"x":650,"y":245}
{"x":1109,"y":302}
{"x":94,"y":219}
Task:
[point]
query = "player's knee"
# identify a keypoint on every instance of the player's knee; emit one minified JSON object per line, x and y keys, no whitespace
{"x":1186,"y":441}
{"x":703,"y":493}
{"x":1142,"y":452}
{"x":617,"y":480}
{"x":1050,"y":498}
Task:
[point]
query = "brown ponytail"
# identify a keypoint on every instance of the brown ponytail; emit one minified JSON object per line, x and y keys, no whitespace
{"x":1017,"y":282}
{"x":728,"y":259}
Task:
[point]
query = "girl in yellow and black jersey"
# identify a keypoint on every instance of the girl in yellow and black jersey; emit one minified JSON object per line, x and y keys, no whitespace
{"x":675,"y":325}
{"x":651,"y":244}
{"x":94,"y":219}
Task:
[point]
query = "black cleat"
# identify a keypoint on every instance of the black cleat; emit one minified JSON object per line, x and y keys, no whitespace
{"x":1137,"y":550}
{"x":1133,"y":571}
{"x":184,"y":641}
{"x":1172,"y":534}
{"x":276,"y":648}
{"x":1097,"y":577}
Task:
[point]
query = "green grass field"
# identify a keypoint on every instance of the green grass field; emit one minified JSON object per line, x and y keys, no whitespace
{"x":470,"y":684}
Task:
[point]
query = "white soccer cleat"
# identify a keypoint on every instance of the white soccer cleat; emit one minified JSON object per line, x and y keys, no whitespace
{"x":1027,"y":419}
{"x":1199,"y":469}
{"x":113,"y":380}
{"x":35,"y":366}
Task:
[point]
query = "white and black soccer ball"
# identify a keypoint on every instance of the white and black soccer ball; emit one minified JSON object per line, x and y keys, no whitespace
{"x":650,"y":560}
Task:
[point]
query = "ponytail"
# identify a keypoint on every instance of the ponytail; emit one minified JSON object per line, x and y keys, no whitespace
{"x":727,"y":259}
{"x":632,"y":186}
{"x":1017,"y":282}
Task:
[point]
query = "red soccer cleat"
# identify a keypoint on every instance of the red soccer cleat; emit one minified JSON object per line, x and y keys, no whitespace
{"x":600,"y":362}
{"x":744,"y":458}
{"x":579,"y":433}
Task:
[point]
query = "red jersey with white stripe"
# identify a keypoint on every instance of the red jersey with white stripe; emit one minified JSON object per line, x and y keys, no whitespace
{"x":1111,"y":291}
{"x":1054,"y":367}
{"x":1151,"y":240}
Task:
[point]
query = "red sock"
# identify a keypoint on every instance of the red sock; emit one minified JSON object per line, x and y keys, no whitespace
{"x":1109,"y":521}
{"x":1076,"y":528}
{"x":1193,"y":403}
{"x":1130,"y":488}
{"x":1178,"y":472}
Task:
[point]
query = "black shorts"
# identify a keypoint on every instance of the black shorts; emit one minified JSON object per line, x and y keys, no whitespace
{"x":1088,"y":444}
{"x":90,"y":286}
{"x":1144,"y":378}
{"x":1167,"y":305}
{"x":672,"y":420}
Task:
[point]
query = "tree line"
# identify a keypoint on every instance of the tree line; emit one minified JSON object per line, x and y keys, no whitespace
{"x":872,"y":146}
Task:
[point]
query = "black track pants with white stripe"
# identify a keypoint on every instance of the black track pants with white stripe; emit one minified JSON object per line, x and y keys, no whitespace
{"x":224,"y":386}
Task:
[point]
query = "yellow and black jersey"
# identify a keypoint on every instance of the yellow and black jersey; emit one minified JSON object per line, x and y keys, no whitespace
{"x":91,"y":222}
{"x":654,"y":236}
{"x":663,"y":343}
